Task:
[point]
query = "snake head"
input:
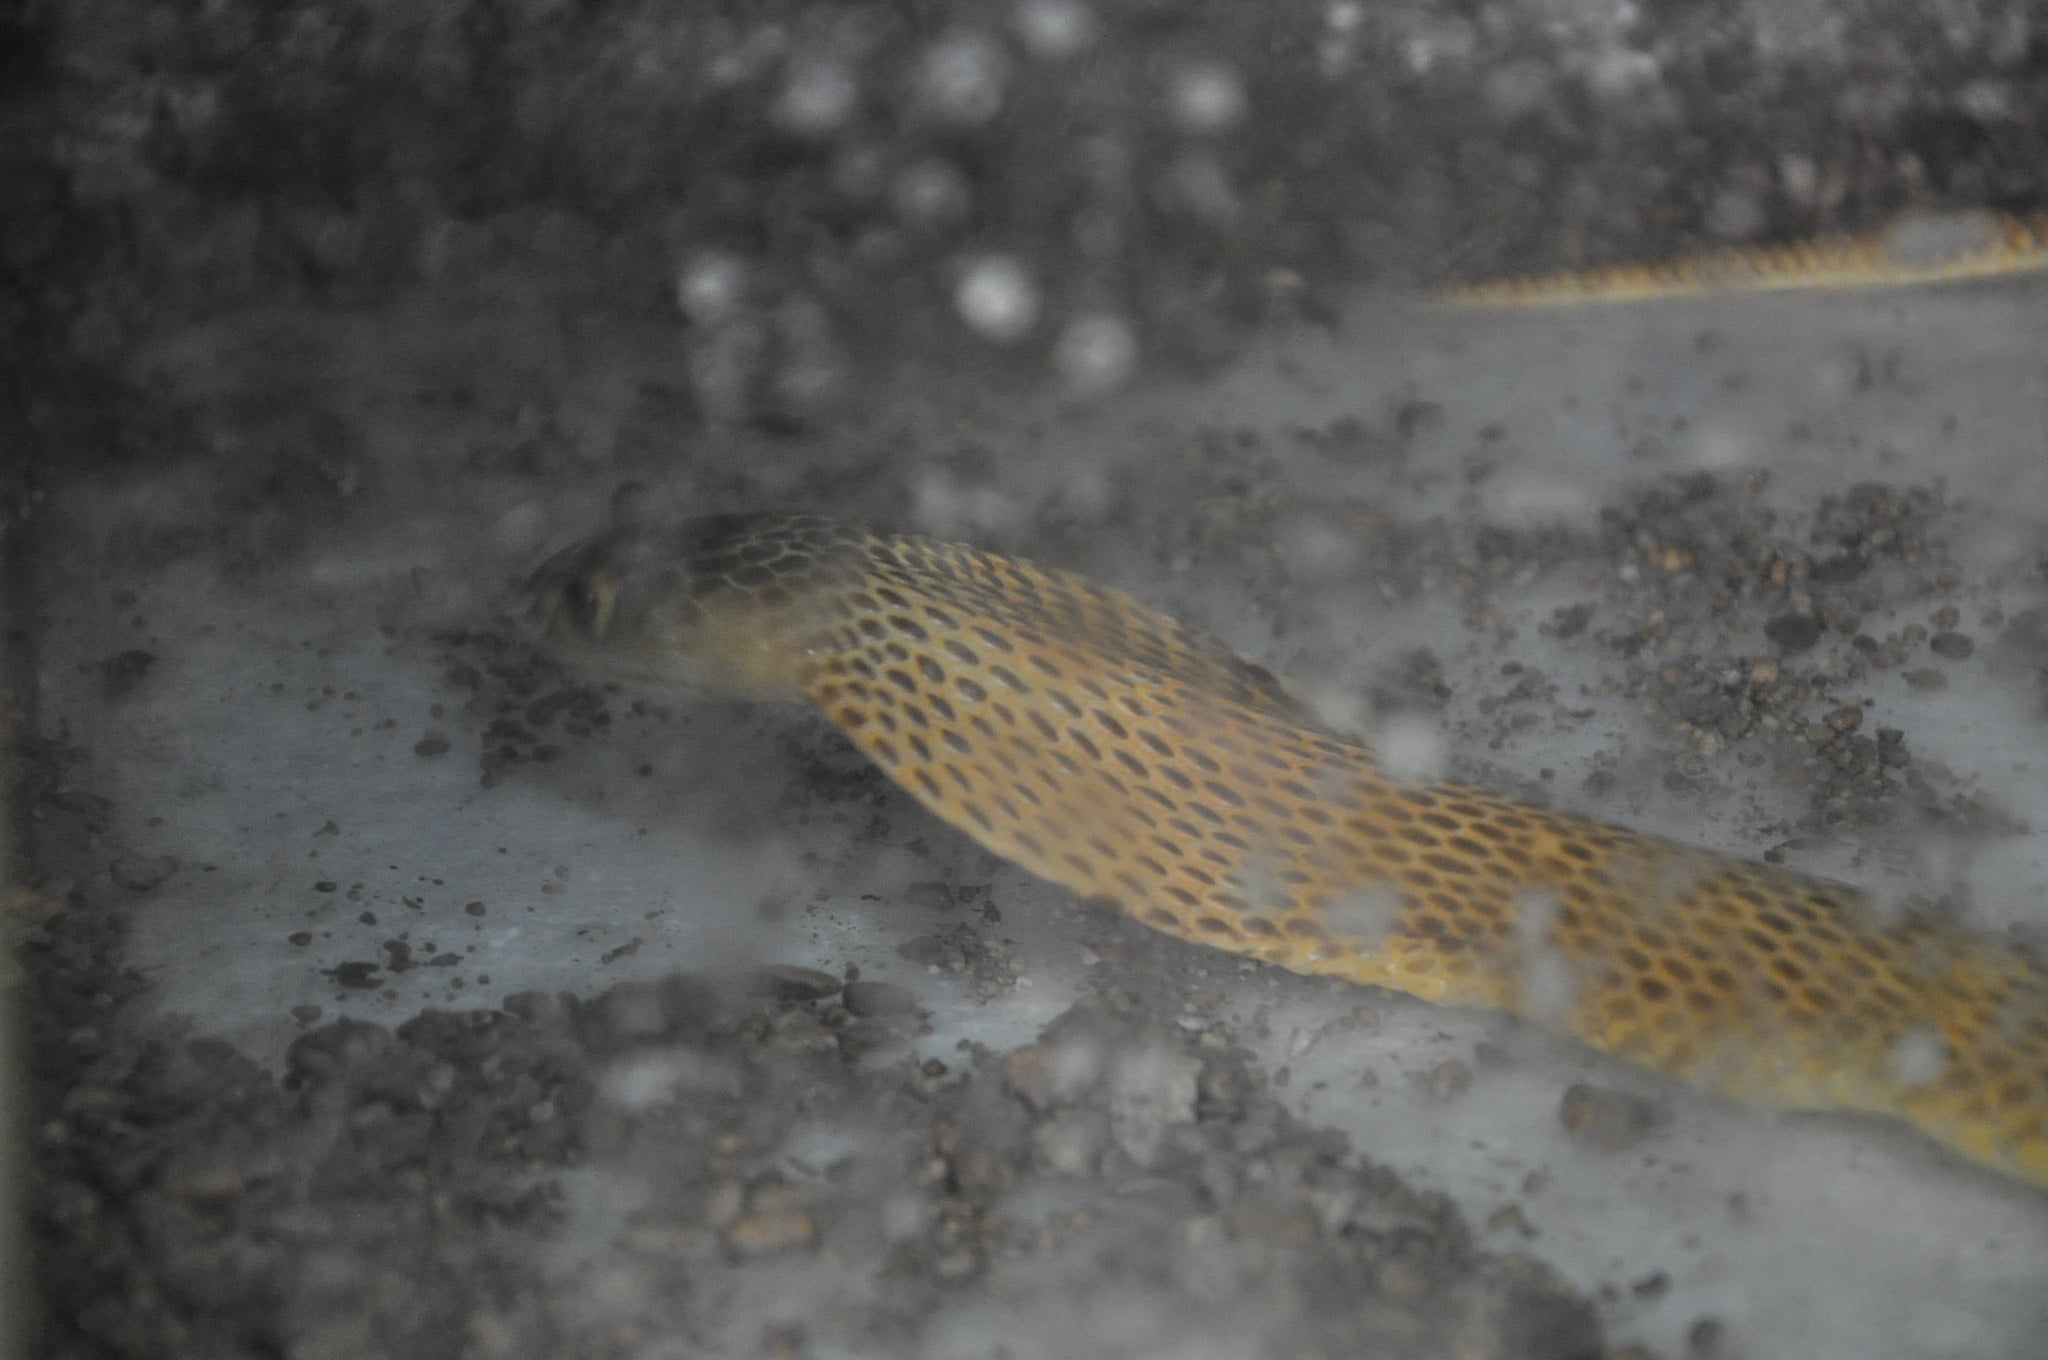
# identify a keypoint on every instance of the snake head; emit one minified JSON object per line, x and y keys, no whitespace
{"x":716,"y":606}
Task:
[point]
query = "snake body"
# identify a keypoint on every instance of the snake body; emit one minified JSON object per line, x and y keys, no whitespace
{"x":1919,"y":248}
{"x":1107,"y":748}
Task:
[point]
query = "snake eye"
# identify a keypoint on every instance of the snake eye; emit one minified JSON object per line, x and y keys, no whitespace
{"x":588,"y":602}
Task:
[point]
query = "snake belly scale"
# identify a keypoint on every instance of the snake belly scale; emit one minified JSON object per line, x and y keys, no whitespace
{"x":1107,"y":748}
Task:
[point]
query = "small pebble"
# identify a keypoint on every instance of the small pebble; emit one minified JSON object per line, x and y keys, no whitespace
{"x":788,"y":982}
{"x":756,"y":1234}
{"x":869,"y":999}
{"x":1953,"y":646}
{"x":123,"y":671}
{"x":1448,"y":1078}
{"x":956,"y":1264}
{"x":1400,"y":1279}
{"x":932,"y":896}
{"x":1026,"y":1071}
{"x":1509,"y":1218}
{"x":140,"y":873}
{"x":1607,"y":1119}
{"x":1705,"y":1338}
{"x":1793,"y":632}
{"x":690,"y":1245}
{"x":1069,"y":1144}
{"x":1150,"y":1091}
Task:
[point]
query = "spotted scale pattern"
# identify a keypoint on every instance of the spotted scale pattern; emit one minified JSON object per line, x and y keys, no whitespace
{"x":1917,"y":249}
{"x":1107,"y":748}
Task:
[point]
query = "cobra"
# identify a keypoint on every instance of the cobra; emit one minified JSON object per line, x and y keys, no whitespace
{"x":1107,"y":748}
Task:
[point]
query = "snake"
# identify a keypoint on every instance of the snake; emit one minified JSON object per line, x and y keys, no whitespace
{"x":1105,"y":747}
{"x":1914,"y":248}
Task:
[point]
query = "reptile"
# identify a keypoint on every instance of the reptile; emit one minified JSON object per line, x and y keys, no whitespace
{"x":1917,"y":248}
{"x":1105,"y":747}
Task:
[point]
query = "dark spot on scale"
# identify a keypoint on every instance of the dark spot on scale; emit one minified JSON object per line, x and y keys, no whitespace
{"x":1225,"y":794}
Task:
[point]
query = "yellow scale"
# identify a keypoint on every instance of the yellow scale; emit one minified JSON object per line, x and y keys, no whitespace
{"x":1919,"y":248}
{"x":1107,"y":748}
